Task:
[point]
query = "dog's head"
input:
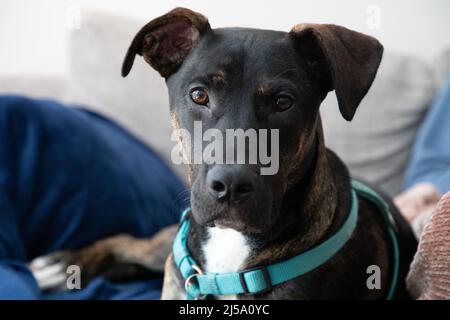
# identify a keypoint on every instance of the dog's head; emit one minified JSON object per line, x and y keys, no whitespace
{"x":236,"y":78}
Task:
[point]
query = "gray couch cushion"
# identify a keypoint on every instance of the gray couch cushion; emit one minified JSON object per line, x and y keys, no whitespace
{"x":376,"y":145}
{"x":139,"y":102}
{"x":52,"y":87}
{"x":441,"y":67}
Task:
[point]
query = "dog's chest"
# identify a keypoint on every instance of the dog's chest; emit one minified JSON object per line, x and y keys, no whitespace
{"x":225,"y":251}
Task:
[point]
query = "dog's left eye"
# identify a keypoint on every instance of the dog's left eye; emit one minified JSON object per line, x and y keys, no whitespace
{"x":283,"y":103}
{"x":200,"y":96}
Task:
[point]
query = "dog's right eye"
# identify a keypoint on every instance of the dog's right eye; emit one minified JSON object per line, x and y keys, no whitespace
{"x":199,"y":96}
{"x":283,"y":102}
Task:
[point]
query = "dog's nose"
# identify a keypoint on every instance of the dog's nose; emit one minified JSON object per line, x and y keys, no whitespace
{"x":228,"y":182}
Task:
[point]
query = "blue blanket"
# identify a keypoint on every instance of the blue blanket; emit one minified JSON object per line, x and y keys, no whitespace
{"x":69,"y":177}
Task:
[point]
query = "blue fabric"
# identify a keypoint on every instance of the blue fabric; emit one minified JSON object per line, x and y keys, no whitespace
{"x":69,"y":177}
{"x":430,"y":161}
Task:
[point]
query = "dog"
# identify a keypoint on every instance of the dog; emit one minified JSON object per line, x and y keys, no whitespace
{"x":240,"y":219}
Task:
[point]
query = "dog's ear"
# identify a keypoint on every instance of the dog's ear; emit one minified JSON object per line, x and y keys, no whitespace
{"x":166,"y":41}
{"x":341,"y":59}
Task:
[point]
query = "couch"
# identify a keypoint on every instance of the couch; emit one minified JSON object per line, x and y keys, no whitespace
{"x":376,"y":145}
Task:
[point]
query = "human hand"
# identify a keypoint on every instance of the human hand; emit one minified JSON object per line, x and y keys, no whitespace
{"x":420,"y":198}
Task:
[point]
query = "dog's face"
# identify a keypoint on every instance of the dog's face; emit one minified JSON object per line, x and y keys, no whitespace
{"x":245,"y":79}
{"x":238,"y":78}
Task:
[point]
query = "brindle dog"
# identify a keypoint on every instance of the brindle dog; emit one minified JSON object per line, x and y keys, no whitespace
{"x":247,"y":78}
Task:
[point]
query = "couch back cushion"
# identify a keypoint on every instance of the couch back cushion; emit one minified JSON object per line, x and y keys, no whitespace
{"x":377,"y":144}
{"x":138,"y":102}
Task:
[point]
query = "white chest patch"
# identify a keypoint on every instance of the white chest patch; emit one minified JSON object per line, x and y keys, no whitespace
{"x":225,"y":251}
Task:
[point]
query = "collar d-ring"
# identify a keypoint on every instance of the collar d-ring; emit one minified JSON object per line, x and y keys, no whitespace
{"x":190,"y":282}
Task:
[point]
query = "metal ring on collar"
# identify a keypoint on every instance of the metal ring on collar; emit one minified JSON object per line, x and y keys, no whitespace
{"x":189,"y":281}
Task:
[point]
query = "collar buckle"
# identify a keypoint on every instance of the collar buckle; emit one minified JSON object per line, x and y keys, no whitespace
{"x":267,"y":280}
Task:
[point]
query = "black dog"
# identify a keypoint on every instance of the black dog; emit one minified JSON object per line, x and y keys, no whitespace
{"x":244,"y":78}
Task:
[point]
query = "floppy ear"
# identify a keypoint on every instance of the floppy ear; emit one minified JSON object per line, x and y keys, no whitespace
{"x":340,"y":59}
{"x":166,"y":41}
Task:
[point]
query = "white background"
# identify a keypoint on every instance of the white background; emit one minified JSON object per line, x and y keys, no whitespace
{"x":33,"y":33}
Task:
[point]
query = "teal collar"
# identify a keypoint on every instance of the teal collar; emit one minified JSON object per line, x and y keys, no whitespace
{"x":262,"y":279}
